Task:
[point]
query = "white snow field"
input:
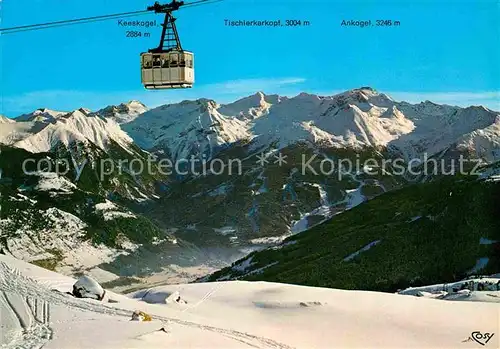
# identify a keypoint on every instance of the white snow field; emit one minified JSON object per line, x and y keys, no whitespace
{"x":230,"y":315}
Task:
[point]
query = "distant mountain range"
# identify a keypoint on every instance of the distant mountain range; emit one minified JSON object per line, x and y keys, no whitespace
{"x":356,"y":118}
{"x":265,"y":203}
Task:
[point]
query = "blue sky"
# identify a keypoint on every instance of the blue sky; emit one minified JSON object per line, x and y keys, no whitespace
{"x":444,"y":51}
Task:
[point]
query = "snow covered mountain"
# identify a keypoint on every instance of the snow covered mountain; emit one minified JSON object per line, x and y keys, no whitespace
{"x":188,"y":128}
{"x":439,"y":127}
{"x":43,"y":130}
{"x":42,"y":115}
{"x":266,"y":203}
{"x":353,"y":119}
{"x":483,"y":143}
{"x":66,"y":224}
{"x":359,"y":121}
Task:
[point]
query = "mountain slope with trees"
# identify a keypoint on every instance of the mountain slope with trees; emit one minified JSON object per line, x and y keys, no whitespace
{"x":422,"y":234}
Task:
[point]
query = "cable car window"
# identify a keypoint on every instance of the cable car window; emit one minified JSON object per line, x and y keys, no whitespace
{"x":156,"y":61}
{"x":146,"y":62}
{"x":189,"y":63}
{"x":164,"y":61}
{"x":173,"y":59}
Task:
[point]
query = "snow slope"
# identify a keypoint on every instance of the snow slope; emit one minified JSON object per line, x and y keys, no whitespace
{"x":12,"y":132}
{"x":63,"y":237}
{"x":483,"y":143}
{"x":5,"y":120}
{"x":230,"y":315}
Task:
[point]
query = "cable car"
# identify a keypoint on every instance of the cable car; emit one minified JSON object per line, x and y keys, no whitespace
{"x":167,"y":70}
{"x":168,"y":66}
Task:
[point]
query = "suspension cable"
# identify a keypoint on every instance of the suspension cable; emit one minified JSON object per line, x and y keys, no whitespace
{"x":91,"y":19}
{"x":68,"y":24}
{"x":105,"y":17}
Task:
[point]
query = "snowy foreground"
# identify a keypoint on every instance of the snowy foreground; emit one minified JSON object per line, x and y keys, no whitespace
{"x":230,"y":315}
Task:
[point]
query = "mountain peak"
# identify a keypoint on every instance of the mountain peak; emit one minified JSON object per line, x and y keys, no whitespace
{"x":203,"y":104}
{"x":364,"y":95}
{"x":41,"y":115}
{"x":124,"y":112}
{"x":366,"y":91}
{"x":206,"y":101}
{"x":306,"y":95}
{"x":367,"y":88}
{"x":250,"y":107}
{"x":85,"y":111}
{"x":135,"y":102}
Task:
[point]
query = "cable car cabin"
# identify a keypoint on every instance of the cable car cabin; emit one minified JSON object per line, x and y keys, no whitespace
{"x":167,"y":70}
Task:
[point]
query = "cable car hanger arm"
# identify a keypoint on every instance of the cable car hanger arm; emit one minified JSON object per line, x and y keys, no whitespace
{"x":173,"y":6}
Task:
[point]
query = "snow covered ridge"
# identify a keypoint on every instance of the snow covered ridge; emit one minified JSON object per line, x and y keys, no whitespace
{"x":357,"y":118}
{"x":51,"y":181}
{"x":123,"y":113}
{"x":55,"y":238}
{"x":187,"y":128}
{"x":60,"y":233}
{"x":476,"y":289}
{"x":44,"y":129}
{"x":36,"y":311}
{"x":5,"y":120}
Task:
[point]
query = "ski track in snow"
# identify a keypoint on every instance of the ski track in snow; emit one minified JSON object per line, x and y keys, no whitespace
{"x":204,"y":298}
{"x":36,"y":332}
{"x":32,"y":315}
